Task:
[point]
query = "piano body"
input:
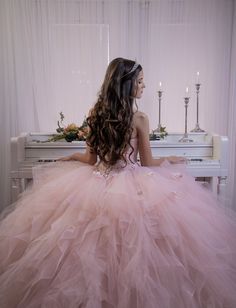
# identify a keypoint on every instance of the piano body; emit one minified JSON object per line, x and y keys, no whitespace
{"x":207,"y":156}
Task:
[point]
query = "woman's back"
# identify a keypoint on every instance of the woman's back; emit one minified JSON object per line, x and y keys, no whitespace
{"x":111,"y":119}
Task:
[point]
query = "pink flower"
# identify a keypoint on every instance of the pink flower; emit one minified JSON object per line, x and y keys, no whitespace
{"x":80,"y":134}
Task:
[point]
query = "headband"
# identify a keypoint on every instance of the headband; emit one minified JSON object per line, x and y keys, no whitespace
{"x":135,"y":66}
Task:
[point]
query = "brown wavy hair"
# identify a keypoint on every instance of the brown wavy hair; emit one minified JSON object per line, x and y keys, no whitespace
{"x":110,"y":121}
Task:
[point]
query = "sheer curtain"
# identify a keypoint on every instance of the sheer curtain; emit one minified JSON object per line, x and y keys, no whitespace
{"x":54,"y":54}
{"x":231,"y":117}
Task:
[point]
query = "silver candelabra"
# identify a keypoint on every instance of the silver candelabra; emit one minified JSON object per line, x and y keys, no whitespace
{"x":197,"y":128}
{"x":185,"y":137}
{"x":158,"y":129}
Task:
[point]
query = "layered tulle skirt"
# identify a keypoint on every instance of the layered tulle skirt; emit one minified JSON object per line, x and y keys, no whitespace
{"x":132,"y":237}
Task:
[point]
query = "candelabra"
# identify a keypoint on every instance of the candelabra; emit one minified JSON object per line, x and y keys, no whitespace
{"x":158,"y":129}
{"x":185,"y":137}
{"x":197,"y":128}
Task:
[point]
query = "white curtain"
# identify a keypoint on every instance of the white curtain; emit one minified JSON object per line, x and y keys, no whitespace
{"x":54,"y":54}
{"x":232,"y":117}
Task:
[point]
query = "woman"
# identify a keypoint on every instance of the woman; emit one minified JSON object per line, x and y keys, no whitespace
{"x":113,"y":233}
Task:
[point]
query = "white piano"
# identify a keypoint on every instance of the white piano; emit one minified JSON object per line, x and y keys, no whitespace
{"x":207,"y":156}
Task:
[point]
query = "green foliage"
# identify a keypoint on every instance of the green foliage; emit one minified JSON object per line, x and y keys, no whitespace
{"x":158,"y":135}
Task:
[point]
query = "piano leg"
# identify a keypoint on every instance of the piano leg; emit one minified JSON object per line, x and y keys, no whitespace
{"x":221,"y":188}
{"x":18,"y":185}
{"x":216,"y":184}
{"x":15,"y":189}
{"x":213,"y":184}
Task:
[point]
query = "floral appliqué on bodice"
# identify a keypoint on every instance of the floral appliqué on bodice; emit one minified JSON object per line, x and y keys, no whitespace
{"x":101,"y":170}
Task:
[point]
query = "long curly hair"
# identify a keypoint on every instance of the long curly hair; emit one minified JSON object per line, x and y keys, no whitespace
{"x":110,"y":121}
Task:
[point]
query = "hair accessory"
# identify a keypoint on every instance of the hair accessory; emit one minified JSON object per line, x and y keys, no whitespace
{"x":110,"y":120}
{"x":136,"y":64}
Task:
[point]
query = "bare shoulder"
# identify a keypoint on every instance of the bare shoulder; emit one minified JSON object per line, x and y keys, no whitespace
{"x":140,"y":115}
{"x":140,"y":118}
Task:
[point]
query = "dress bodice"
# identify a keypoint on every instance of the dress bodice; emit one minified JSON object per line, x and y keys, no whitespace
{"x":131,"y":160}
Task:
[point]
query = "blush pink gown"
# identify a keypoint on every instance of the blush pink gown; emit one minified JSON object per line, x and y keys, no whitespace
{"x":133,"y":237}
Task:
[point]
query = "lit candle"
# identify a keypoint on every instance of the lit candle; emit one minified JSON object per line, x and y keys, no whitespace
{"x":160,"y":84}
{"x":198,"y":80}
{"x":186,"y":91}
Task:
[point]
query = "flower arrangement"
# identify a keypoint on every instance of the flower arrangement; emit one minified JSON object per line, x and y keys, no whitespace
{"x":160,"y":135}
{"x":71,"y":132}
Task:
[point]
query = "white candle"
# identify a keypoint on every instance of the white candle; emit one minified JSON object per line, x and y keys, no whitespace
{"x":186,"y":91}
{"x":198,"y":80}
{"x":160,"y":84}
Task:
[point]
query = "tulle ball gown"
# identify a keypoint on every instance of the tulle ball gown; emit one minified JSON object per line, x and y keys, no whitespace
{"x":129,"y":237}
